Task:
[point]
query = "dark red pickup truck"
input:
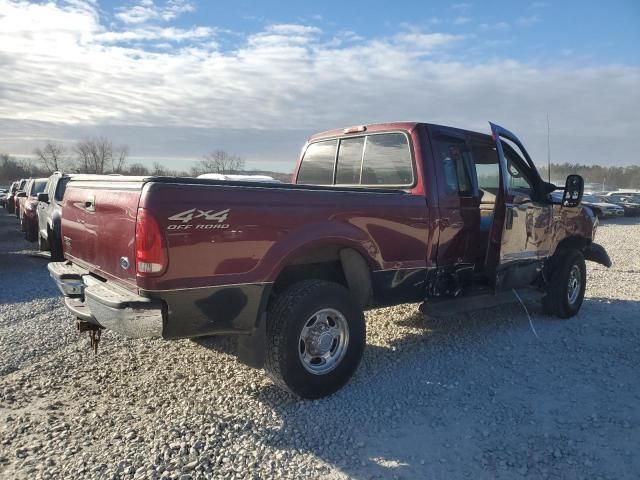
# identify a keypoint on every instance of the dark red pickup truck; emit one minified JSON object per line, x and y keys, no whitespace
{"x":377,"y":215}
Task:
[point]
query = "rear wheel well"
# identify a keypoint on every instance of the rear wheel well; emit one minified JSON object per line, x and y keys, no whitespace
{"x":332,"y":263}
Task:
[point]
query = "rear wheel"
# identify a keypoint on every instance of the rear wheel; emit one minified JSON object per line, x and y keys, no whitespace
{"x":315,"y":338}
{"x":567,"y":284}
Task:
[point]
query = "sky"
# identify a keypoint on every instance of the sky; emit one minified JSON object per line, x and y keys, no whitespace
{"x":177,"y":79}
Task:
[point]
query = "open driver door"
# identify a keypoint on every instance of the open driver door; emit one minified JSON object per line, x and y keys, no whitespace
{"x":519,"y":238}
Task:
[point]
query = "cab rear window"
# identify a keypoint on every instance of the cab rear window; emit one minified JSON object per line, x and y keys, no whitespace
{"x":370,"y":160}
{"x":317,"y":164}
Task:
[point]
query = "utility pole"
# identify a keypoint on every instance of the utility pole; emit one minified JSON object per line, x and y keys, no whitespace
{"x":548,"y":151}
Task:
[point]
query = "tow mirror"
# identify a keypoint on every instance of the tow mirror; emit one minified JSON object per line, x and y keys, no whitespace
{"x":573,"y":191}
{"x":43,"y":197}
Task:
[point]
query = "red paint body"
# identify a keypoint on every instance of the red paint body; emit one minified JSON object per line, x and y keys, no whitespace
{"x":271,"y":226}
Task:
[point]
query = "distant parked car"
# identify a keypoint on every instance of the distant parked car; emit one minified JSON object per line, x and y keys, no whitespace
{"x":9,"y":203}
{"x":630,"y":205}
{"x":28,"y":208}
{"x":602,"y":209}
{"x":239,"y":178}
{"x":20,"y":196}
{"x":49,"y":214}
{"x":19,"y":193}
{"x":4,"y":192}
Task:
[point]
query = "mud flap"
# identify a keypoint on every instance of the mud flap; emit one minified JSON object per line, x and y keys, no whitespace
{"x":251,"y":348}
{"x":597,"y":253}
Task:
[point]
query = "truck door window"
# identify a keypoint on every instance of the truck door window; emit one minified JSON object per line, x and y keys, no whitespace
{"x":451,"y":153}
{"x":387,"y":160}
{"x":515,"y":168}
{"x":349,"y":161}
{"x":317,"y":164}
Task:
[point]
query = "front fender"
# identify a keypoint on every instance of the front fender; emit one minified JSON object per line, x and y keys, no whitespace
{"x":597,"y":253}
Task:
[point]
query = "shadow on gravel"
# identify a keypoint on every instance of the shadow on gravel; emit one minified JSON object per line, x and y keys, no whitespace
{"x":386,"y":453}
{"x":24,"y":278}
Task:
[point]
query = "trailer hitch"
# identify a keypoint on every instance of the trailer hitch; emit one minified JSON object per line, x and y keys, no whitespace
{"x":94,"y":333}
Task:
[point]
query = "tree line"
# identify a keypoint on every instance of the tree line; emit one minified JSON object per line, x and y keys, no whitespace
{"x":611,"y":177}
{"x":101,"y":156}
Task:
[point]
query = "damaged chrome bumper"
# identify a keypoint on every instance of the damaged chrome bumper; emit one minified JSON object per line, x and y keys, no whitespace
{"x":105,"y":304}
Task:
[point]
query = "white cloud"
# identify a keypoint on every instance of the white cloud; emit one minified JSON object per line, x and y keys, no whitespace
{"x":146,"y":10}
{"x":526,"y":21}
{"x":498,"y":26}
{"x":461,"y":20}
{"x":156,"y":33}
{"x":290,"y":77}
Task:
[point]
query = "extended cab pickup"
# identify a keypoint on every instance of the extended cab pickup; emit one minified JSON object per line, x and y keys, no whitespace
{"x":376,"y":215}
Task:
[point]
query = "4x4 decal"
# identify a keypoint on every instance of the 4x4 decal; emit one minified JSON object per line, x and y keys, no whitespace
{"x":194,"y":213}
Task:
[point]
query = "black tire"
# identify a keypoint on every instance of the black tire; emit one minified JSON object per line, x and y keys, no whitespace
{"x":43,"y":245}
{"x":288,"y":314}
{"x":30,"y":233}
{"x":558,"y":300}
{"x":55,"y":246}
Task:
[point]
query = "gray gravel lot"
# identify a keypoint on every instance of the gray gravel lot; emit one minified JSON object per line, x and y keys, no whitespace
{"x":475,"y":396}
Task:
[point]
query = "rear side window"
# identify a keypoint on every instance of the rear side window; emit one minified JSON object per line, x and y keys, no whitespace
{"x":387,"y":160}
{"x":317,"y":164}
{"x":451,"y":152}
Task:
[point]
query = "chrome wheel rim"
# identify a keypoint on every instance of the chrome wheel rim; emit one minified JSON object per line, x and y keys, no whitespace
{"x":323,"y":341}
{"x":574,"y":285}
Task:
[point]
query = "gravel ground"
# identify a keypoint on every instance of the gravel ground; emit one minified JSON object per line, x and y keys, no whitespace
{"x":475,"y":396}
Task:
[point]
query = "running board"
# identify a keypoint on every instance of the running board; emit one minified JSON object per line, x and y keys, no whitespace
{"x":442,"y":307}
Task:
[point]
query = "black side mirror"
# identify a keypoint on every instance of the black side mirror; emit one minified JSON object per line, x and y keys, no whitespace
{"x":573,"y":191}
{"x":21,"y":194}
{"x":43,"y":197}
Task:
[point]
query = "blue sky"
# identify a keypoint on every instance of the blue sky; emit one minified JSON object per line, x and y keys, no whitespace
{"x":176,"y":79}
{"x":593,"y":31}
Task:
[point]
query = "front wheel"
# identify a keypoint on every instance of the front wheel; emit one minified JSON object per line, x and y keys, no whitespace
{"x":567,"y":283}
{"x":315,"y":338}
{"x":55,"y":246}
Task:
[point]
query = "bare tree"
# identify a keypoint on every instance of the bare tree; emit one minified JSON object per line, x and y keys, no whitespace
{"x":138,"y":169}
{"x":119,"y":158}
{"x":158,"y":169}
{"x":218,"y":161}
{"x":53,"y":156}
{"x":98,"y":155}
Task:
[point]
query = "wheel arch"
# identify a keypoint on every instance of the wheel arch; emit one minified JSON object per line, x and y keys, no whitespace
{"x":340,"y":262}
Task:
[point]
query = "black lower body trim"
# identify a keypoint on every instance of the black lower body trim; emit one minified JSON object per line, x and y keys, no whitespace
{"x":224,"y":309}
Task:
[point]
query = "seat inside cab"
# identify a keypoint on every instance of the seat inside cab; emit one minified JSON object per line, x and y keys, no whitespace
{"x":488,"y":175}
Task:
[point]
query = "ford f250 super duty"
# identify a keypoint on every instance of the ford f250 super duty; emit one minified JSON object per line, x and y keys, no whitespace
{"x":376,"y":215}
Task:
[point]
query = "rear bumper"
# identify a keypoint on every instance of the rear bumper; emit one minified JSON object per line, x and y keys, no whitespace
{"x":107,"y":305}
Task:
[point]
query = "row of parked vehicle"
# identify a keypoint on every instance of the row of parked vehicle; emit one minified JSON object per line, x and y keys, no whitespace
{"x":35,"y":203}
{"x":613,"y":204}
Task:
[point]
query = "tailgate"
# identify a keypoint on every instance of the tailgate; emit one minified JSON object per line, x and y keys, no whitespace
{"x":99,"y":224}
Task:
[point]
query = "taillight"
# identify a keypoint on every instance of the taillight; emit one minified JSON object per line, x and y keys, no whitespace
{"x":151,"y":247}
